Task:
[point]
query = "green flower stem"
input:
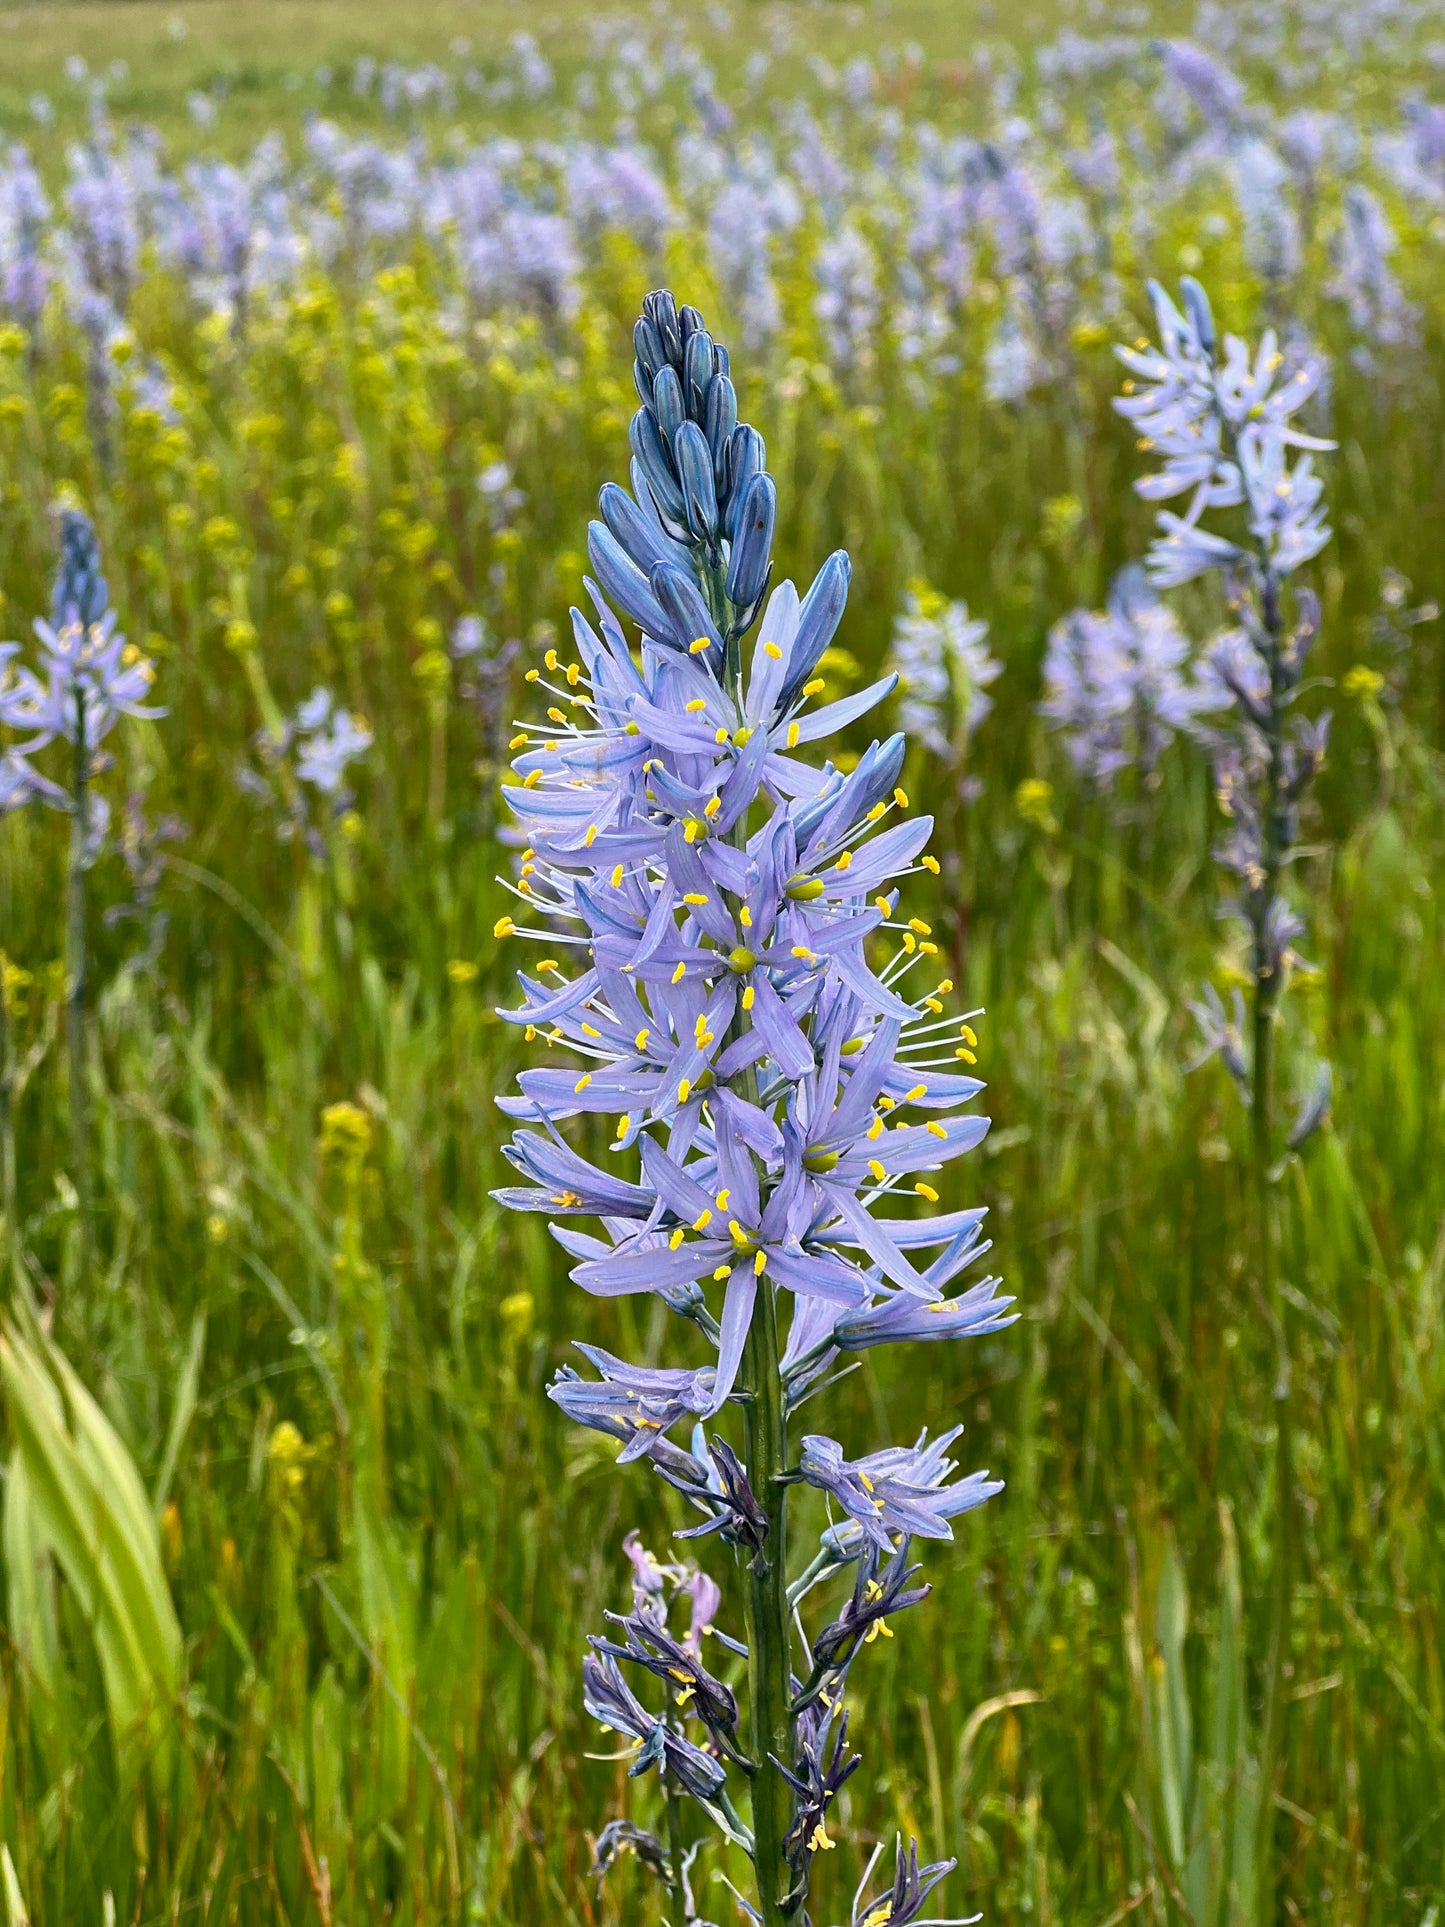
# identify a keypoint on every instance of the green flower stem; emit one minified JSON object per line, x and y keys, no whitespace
{"x":769,"y":1669}
{"x":7,"y":1119}
{"x":675,"y":1882}
{"x":1267,"y":988}
{"x":76,"y":977}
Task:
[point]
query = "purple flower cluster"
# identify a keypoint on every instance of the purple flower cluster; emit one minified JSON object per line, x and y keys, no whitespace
{"x":86,"y":678}
{"x":1118,"y":682}
{"x":941,"y":657}
{"x":989,"y":250}
{"x":1223,"y":426}
{"x":306,"y":761}
{"x":733,"y":987}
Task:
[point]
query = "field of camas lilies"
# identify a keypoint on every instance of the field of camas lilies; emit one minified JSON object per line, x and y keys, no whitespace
{"x":538,"y":820}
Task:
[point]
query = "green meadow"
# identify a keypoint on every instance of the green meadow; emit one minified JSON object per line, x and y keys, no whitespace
{"x":298,"y":1559}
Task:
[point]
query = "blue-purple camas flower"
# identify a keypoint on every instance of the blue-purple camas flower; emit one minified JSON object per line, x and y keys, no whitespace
{"x":1119,"y":683}
{"x":87,"y":677}
{"x":944,"y":668}
{"x":731,"y":985}
{"x":1222,"y":420}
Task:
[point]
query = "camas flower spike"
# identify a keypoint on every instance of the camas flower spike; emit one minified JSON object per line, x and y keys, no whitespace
{"x":731,"y":984}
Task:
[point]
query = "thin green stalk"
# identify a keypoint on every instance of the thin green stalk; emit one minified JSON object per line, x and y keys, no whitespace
{"x":1266,"y":998}
{"x":676,"y":1881}
{"x":76,"y":972}
{"x":7,"y":1118}
{"x":769,"y":1669}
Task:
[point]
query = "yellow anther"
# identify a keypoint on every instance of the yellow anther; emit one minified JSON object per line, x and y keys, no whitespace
{"x":883,"y":906}
{"x":556,"y":715}
{"x":719,"y":735}
{"x":699,"y":646}
{"x":900,"y":797}
{"x":815,"y":687}
{"x":723,"y":1271}
{"x":802,"y":952}
{"x":932,"y":1003}
{"x":684,"y":1090}
{"x":547,"y":963}
{"x":792,"y":737}
{"x":695,"y":897}
{"x":590,"y":1030}
{"x":676,"y":1239}
{"x":945,"y":1304}
{"x":966,"y":1032}
{"x":533,"y":675}
{"x":945,"y":986}
{"x":736,"y":1232}
{"x":749,"y":997}
{"x":745,"y":917}
{"x":591,"y":836}
{"x":923,"y":929}
{"x":772,"y":649}
{"x":679,"y":973}
{"x":702,"y":1221}
{"x":967,"y":1055}
{"x":551,"y":659}
{"x":583,"y":1081}
{"x":926,"y":1191}
{"x":819,"y":1843}
{"x":530,"y":1033}
{"x":531,"y":779}
{"x":711,"y":807}
{"x":691,"y":831}
{"x":697,"y":704}
{"x":935,"y":1130}
{"x":519,"y":742}
{"x":624,"y":1125}
{"x":912,"y":1097}
{"x":742,"y":737}
{"x":723,"y":1196}
{"x":504,"y":927}
{"x":845,"y":861}
{"x":875,"y":1129}
{"x":877,"y":1169}
{"x":930,"y":863}
{"x":617,"y":876}
{"x":928,"y":950}
{"x":574,"y":674}
{"x":910,"y":943}
{"x":759,"y":1263}
{"x":885,"y":1103}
